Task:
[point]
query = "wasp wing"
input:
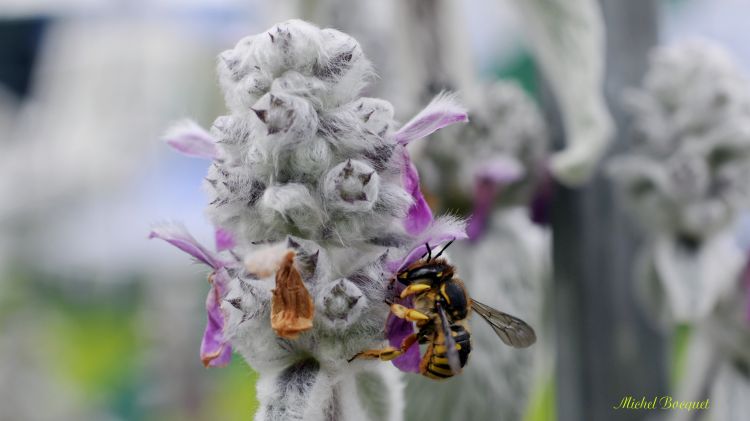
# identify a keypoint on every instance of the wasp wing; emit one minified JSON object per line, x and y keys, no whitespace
{"x":450,"y":343}
{"x":512,"y":330}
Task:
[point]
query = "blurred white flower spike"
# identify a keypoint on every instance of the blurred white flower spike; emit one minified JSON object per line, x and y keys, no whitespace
{"x":315,"y":203}
{"x":687,"y":177}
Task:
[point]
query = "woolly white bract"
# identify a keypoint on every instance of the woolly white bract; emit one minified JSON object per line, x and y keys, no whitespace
{"x":303,"y":164}
{"x":568,"y":37}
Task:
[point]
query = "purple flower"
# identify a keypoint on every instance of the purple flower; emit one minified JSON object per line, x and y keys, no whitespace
{"x":419,"y":215}
{"x":398,"y":329}
{"x":215,"y":350}
{"x":190,"y":139}
{"x":439,"y":231}
{"x":224,"y":239}
{"x":441,"y":112}
{"x":541,"y":200}
{"x":490,"y":178}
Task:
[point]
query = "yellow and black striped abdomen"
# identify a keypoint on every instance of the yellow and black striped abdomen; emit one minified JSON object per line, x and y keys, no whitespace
{"x":435,"y":361}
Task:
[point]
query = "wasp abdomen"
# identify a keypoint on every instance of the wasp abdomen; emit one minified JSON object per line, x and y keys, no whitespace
{"x":435,"y":363}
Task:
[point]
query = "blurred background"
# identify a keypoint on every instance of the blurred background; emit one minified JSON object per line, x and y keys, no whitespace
{"x":97,"y":323}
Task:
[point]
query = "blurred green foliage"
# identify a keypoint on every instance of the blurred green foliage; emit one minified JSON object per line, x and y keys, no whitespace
{"x":88,"y":337}
{"x":523,"y":69}
{"x":542,"y":406}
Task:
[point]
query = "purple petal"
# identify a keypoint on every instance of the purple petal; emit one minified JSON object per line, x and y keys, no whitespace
{"x":485,"y":193}
{"x":500,"y":170}
{"x":215,"y":350}
{"x":419,"y":215}
{"x":489,"y":179}
{"x":178,"y":236}
{"x":224,"y":239}
{"x":397,"y":330}
{"x":441,"y":230}
{"x":441,"y":112}
{"x":541,"y":201}
{"x":190,"y":139}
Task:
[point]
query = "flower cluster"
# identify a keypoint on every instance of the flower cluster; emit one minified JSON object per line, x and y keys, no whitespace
{"x":316,"y":204}
{"x":688,"y":171}
{"x":504,"y":147}
{"x":685,"y":179}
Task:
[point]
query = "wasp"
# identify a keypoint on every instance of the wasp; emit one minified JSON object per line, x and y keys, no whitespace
{"x":441,"y":311}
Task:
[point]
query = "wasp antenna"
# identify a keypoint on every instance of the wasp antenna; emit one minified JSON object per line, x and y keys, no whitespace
{"x":445,"y":247}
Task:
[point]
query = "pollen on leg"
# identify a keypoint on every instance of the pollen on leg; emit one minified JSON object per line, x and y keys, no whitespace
{"x":407,"y":313}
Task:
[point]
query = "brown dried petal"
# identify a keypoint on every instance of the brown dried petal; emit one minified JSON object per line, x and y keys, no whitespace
{"x":292,"y":306}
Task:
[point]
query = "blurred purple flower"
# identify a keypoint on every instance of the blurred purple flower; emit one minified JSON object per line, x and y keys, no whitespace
{"x":490,"y":178}
{"x":215,"y":350}
{"x":541,"y":200}
{"x":191,"y":139}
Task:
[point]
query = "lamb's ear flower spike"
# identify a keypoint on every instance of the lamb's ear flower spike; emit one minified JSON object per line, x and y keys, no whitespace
{"x":316,"y":205}
{"x":190,"y":139}
{"x":686,"y":178}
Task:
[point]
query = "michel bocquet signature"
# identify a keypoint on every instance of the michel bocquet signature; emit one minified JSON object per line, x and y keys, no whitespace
{"x":661,"y":402}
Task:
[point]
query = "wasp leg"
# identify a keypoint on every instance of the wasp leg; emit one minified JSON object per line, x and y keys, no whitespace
{"x":388,"y":353}
{"x":408,"y":313}
{"x":414,"y":289}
